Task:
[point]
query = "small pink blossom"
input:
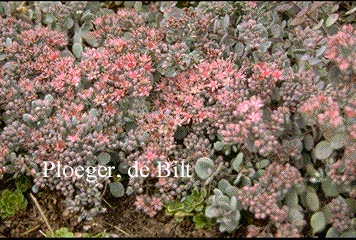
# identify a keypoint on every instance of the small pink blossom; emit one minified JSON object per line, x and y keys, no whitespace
{"x":73,"y":138}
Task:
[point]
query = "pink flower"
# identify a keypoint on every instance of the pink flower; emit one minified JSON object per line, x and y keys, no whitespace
{"x":75,"y":80}
{"x":198,"y":105}
{"x":251,"y":4}
{"x":150,"y":156}
{"x":139,"y":203}
{"x":103,"y":138}
{"x":150,"y":212}
{"x":73,"y":138}
{"x":243,"y":107}
{"x":256,"y":101}
{"x":276,"y":74}
{"x":344,"y":65}
{"x":255,"y":117}
{"x":156,"y":203}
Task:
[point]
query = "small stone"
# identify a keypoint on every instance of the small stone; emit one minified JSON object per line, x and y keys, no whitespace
{"x":86,"y":227}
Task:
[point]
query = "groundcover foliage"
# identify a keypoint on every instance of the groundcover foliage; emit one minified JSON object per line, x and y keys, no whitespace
{"x":257,"y":97}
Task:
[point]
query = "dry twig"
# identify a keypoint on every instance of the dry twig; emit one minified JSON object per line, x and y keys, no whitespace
{"x":107,"y":203}
{"x":30,"y":230}
{"x":42,"y":214}
{"x":117,"y":228}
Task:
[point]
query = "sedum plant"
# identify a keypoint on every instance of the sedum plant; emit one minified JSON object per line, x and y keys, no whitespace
{"x":224,"y":207}
{"x":11,"y":202}
{"x":63,"y":232}
{"x":192,"y":206}
{"x":256,"y":97}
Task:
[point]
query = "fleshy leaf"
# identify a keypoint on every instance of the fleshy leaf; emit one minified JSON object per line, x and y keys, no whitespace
{"x":308,"y":142}
{"x":295,"y":216}
{"x":77,"y":50}
{"x":223,"y":185}
{"x":218,"y":146}
{"x":349,"y":234}
{"x":237,"y":161}
{"x":317,"y":222}
{"x":323,"y":150}
{"x":291,"y":199}
{"x":331,"y":19}
{"x":332,"y":233}
{"x":204,"y":168}
{"x":117,"y":189}
{"x":329,"y":188}
{"x":104,"y":158}
{"x":312,"y":199}
{"x":212,"y":212}
{"x":338,"y":141}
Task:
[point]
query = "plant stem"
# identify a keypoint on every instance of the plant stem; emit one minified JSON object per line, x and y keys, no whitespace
{"x":42,"y":214}
{"x":30,"y":230}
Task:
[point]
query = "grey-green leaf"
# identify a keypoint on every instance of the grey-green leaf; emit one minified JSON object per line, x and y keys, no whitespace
{"x":233,"y":203}
{"x":349,"y":234}
{"x":331,"y":19}
{"x":265,"y":45}
{"x":332,"y":233}
{"x":49,"y":98}
{"x":276,"y":31}
{"x":312,"y":199}
{"x":239,"y":49}
{"x":87,"y":16}
{"x":327,"y":213}
{"x":231,"y":191}
{"x":138,"y":6}
{"x":323,"y":150}
{"x":237,"y":161}
{"x":117,"y":189}
{"x":338,"y":141}
{"x":295,"y":216}
{"x":223,"y":185}
{"x":352,"y":204}
{"x":219,"y":145}
{"x":170,"y":72}
{"x":317,"y":222}
{"x":204,"y":168}
{"x":93,"y":112}
{"x":262,"y":164}
{"x":226,"y":21}
{"x":316,"y":27}
{"x":69,"y":23}
{"x":308,"y":142}
{"x":27,"y":118}
{"x":211,"y":212}
{"x":291,"y":199}
{"x":104,"y":158}
{"x":91,"y":39}
{"x":352,"y":10}
{"x":77,"y":50}
{"x":329,"y":188}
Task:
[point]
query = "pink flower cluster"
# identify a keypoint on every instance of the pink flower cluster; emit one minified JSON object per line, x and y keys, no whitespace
{"x":261,"y":198}
{"x":149,"y":205}
{"x":341,"y":48}
{"x":341,"y":215}
{"x":325,"y":109}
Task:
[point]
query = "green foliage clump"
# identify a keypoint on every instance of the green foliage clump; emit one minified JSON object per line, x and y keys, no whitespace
{"x":23,"y":183}
{"x":192,"y":206}
{"x":63,"y":232}
{"x":11,"y":202}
